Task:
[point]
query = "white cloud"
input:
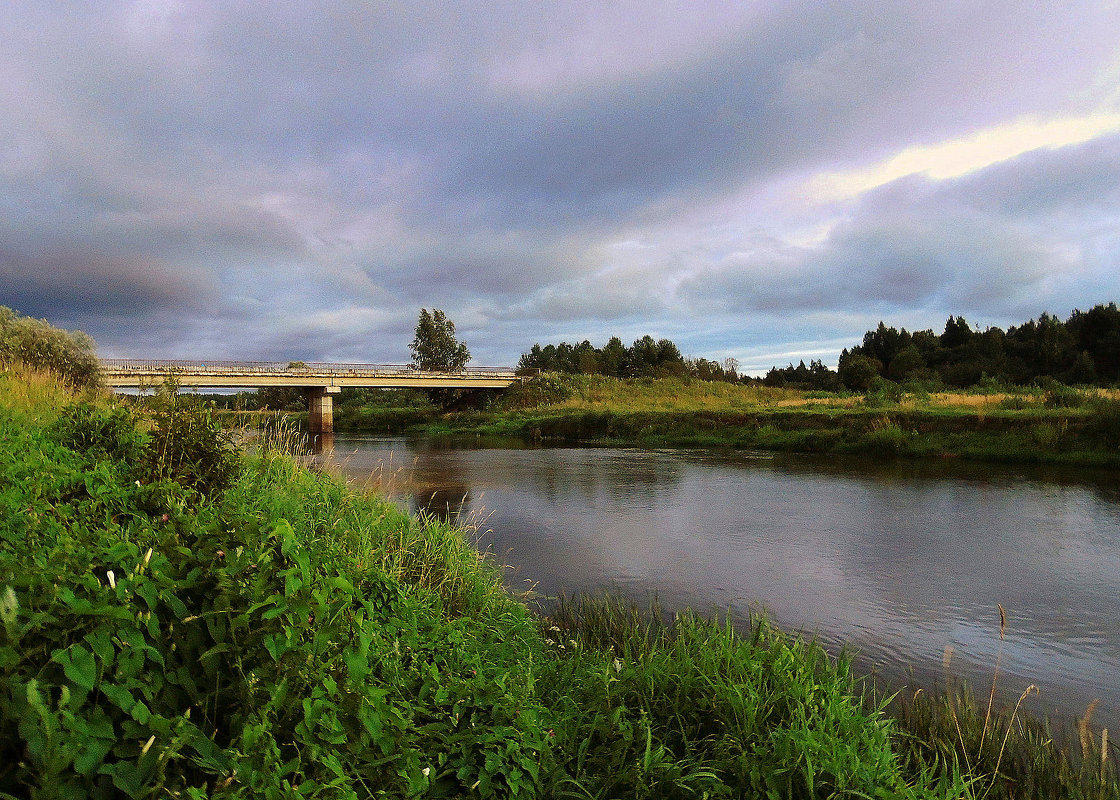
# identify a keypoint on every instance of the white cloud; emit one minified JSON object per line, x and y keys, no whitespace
{"x":958,"y":157}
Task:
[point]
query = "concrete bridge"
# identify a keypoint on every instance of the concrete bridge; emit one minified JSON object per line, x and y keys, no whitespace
{"x":320,"y":381}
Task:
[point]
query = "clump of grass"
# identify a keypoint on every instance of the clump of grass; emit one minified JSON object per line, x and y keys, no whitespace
{"x":690,"y":708}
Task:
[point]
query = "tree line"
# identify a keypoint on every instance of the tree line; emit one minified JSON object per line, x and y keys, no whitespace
{"x":645,"y":358}
{"x":1083,"y":349}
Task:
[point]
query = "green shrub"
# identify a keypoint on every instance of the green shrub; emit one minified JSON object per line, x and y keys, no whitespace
{"x":35,"y":342}
{"x":290,"y":635}
{"x":1058,"y":395}
{"x":1105,"y":419}
{"x":545,"y":389}
{"x":188,"y":446}
{"x":882,"y":392}
{"x":1049,"y":435}
{"x":101,"y":432}
{"x":989,"y":385}
{"x":886,"y":438}
{"x":1015,"y":402}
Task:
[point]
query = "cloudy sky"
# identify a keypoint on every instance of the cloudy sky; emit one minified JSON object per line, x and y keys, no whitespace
{"x":764,"y":180}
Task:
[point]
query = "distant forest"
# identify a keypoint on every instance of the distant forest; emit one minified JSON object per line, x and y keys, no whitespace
{"x":1084,"y":349}
{"x":645,"y":358}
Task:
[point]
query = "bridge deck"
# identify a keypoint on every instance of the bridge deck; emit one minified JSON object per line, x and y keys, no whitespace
{"x":133,"y":373}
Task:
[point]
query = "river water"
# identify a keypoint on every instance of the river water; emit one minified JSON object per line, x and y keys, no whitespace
{"x":898,"y":560}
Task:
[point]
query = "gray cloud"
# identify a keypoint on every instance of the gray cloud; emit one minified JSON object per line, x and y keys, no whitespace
{"x":262,"y":180}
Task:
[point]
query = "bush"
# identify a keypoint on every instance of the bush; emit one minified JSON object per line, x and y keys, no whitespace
{"x":1058,"y":395}
{"x":103,"y":433}
{"x":188,"y":446}
{"x":35,"y":342}
{"x":545,"y":389}
{"x":289,"y":634}
{"x":885,"y":437}
{"x":882,"y":392}
{"x":1105,"y":419}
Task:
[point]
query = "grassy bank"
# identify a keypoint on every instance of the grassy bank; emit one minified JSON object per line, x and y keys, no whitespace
{"x":1031,"y":425}
{"x":178,"y":620}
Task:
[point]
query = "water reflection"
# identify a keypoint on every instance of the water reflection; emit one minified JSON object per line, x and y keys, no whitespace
{"x":898,"y":559}
{"x":320,"y":443}
{"x":446,"y":504}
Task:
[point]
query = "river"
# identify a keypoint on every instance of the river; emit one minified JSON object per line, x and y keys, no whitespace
{"x":898,"y":560}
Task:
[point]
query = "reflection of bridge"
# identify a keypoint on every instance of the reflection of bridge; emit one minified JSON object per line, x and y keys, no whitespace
{"x":319,"y":381}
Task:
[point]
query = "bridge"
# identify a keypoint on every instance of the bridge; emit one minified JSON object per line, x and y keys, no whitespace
{"x":320,"y":381}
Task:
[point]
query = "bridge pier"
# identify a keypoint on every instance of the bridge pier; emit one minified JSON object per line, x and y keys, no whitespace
{"x":320,"y":409}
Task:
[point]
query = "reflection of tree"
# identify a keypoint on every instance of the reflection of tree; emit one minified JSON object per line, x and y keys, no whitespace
{"x":445,"y":504}
{"x":594,"y":474}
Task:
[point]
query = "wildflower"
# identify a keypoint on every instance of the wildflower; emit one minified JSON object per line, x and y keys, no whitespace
{"x":618,"y":665}
{"x":148,"y":745}
{"x":147,"y":556}
{"x":164,"y":518}
{"x":112,"y":579}
{"x":426,"y":771}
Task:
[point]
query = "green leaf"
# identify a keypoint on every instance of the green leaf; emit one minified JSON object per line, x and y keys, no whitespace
{"x":79,"y":665}
{"x":119,"y":696}
{"x":93,"y":752}
{"x":140,"y":713}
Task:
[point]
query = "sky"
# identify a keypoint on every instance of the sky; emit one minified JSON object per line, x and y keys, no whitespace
{"x":757,"y":180}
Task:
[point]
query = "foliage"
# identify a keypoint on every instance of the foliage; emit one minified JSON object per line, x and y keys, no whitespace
{"x":1080,"y":350}
{"x":35,"y":342}
{"x":289,"y":635}
{"x":545,"y":389}
{"x":645,"y":358}
{"x":858,"y":371}
{"x":816,"y":376}
{"x":188,"y":445}
{"x":690,"y":708}
{"x":435,"y":347}
{"x":101,"y":433}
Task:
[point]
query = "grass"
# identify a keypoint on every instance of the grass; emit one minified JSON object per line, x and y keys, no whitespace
{"x":273,"y":633}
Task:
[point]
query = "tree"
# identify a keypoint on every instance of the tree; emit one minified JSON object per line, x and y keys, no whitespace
{"x":435,"y":347}
{"x":37,"y":343}
{"x":857,"y":371}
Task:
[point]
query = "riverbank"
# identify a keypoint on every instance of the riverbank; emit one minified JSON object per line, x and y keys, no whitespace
{"x":1058,"y":424}
{"x":180,"y":619}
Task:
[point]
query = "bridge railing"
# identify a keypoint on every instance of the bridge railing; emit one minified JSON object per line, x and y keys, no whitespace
{"x":135,"y":366}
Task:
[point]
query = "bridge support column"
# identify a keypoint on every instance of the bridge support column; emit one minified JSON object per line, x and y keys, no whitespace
{"x":320,"y":409}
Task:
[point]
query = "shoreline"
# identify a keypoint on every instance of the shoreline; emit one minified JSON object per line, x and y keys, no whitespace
{"x":1048,"y":438}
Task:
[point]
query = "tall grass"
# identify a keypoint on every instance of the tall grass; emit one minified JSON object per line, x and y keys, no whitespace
{"x":1003,"y":753}
{"x":689,"y":708}
{"x":33,"y":392}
